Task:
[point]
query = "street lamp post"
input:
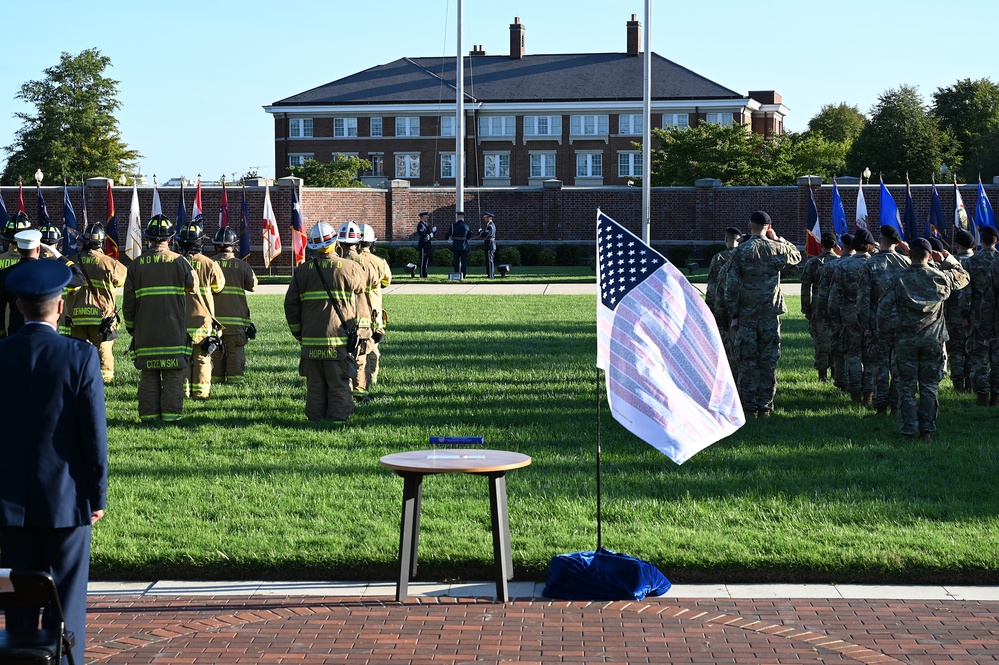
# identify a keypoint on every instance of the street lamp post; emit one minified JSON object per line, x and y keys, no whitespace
{"x":867,"y":175}
{"x":38,"y":177}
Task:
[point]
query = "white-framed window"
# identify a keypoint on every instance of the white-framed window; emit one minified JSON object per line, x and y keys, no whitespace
{"x":407,"y":165}
{"x":407,"y":126}
{"x":377,"y":160}
{"x":676,"y":120}
{"x":629,"y":164}
{"x":297,"y":159}
{"x":344,"y":127}
{"x":375,"y":128}
{"x":447,"y":125}
{"x":630,"y":123}
{"x":543,"y":125}
{"x":498,"y":125}
{"x":588,"y":125}
{"x":589,"y":165}
{"x":542,"y":164}
{"x":300,"y":128}
{"x":447,"y":165}
{"x":497,"y":165}
{"x":723,"y":119}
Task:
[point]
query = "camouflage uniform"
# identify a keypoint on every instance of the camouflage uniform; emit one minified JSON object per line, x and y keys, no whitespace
{"x":911,"y":315}
{"x":982,"y":359}
{"x":753,"y":297}
{"x":956,"y":318}
{"x":843,"y":306}
{"x":820,"y":312}
{"x":715,"y":300}
{"x":877,"y":272}
{"x":821,"y":334}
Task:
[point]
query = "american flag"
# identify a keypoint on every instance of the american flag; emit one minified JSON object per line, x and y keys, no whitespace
{"x":668,"y":379}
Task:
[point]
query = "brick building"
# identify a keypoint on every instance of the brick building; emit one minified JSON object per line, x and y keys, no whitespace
{"x":529,"y":118}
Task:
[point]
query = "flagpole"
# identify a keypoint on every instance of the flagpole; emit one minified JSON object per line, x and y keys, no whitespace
{"x":646,"y":128}
{"x":600,"y":535}
{"x":459,"y":120}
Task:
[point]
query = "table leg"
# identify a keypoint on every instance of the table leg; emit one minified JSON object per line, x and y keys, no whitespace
{"x":502,"y":552}
{"x":412,"y":489}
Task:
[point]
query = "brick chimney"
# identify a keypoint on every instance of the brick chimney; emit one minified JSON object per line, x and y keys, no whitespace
{"x":634,"y":36}
{"x":517,"y":31}
{"x":477,"y":49}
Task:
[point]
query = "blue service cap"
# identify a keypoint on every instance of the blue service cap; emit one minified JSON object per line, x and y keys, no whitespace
{"x":488,"y":214}
{"x":37,"y":280}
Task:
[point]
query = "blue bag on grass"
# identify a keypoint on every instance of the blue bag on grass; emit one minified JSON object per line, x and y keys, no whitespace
{"x":603,"y":575}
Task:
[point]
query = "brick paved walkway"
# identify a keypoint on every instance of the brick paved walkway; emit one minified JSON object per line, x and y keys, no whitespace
{"x":441,"y":630}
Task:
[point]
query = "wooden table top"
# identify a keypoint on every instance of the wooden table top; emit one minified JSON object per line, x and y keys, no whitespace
{"x":456,"y":460}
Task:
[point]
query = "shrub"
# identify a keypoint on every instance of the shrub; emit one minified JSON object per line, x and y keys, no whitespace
{"x":443,"y":257}
{"x":678,"y":255}
{"x":567,"y":255}
{"x":708,"y":252}
{"x":477,"y":257}
{"x":384,"y":253}
{"x":404,"y":255}
{"x":546,"y":257}
{"x":508,"y":255}
{"x":529,"y":253}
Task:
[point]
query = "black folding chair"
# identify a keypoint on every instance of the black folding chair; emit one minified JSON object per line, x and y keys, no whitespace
{"x":33,"y":590}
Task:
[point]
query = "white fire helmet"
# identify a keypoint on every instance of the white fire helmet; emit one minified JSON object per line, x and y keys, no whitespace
{"x":367,"y":233}
{"x":321,"y":236}
{"x":349,"y":234}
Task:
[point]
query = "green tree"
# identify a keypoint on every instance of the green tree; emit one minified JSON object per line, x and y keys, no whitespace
{"x":730,"y":154}
{"x":969,"y":110}
{"x":840,"y":123}
{"x":808,"y":153}
{"x":73,"y":131}
{"x":341,"y":172}
{"x":902,"y":138}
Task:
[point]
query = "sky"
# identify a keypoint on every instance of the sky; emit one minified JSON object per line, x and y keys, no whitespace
{"x":193,"y":79}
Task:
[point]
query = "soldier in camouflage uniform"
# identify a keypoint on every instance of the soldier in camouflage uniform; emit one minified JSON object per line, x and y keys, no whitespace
{"x":713,"y":297}
{"x":843,"y":306}
{"x":911,"y":317}
{"x":821,"y":334}
{"x":983,"y":350}
{"x":878,"y":270}
{"x":755,"y":303}
{"x":820,"y":310}
{"x":956,"y":317}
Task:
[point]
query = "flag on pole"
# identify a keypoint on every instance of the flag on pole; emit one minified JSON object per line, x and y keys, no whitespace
{"x":196,"y":214}
{"x":984,"y":215}
{"x":111,"y":241}
{"x":297,"y":227}
{"x":961,"y":220}
{"x":936,"y":223}
{"x":133,"y":237}
{"x":181,"y":207}
{"x":813,"y":230}
{"x":272,"y":237}
{"x":157,"y":208}
{"x":838,"y":213}
{"x":20,"y":198}
{"x":3,"y":213}
{"x":70,"y":232}
{"x":43,"y":210}
{"x":83,"y":196}
{"x":668,"y":379}
{"x":244,"y":228}
{"x":224,"y":208}
{"x":909,"y":218}
{"x":861,"y":222}
{"x":889,"y":211}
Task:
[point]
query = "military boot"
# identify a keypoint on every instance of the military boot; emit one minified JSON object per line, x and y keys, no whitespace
{"x":967,"y":385}
{"x":868,"y":398}
{"x":856,"y":398}
{"x":994,"y":399}
{"x":982,"y":400}
{"x":959,"y":383}
{"x":882,"y":411}
{"x":822,"y":375}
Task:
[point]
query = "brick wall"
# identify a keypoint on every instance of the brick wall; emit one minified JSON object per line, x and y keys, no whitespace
{"x":536,"y":214}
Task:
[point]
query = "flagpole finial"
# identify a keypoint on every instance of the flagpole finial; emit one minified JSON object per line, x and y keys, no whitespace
{"x":223,"y":178}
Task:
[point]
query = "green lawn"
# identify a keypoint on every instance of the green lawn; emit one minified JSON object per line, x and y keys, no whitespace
{"x":477,"y":275}
{"x":246,"y":488}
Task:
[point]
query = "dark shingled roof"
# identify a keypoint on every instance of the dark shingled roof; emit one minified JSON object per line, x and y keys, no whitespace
{"x":498,"y":78}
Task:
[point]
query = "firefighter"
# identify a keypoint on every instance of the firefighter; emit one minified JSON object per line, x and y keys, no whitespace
{"x":322,"y":309}
{"x":348,"y":241}
{"x":378,"y":316}
{"x":232,"y":310}
{"x":92,"y":312}
{"x":154,"y":308}
{"x":202,"y":326}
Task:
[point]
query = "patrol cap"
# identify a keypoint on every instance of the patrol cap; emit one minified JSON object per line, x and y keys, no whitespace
{"x":760,"y":217}
{"x":891,"y":233}
{"x":861,"y":239}
{"x":29,"y":239}
{"x":923,"y":243}
{"x":990,"y":231}
{"x":964,"y":238}
{"x":38,"y":280}
{"x":935,"y":244}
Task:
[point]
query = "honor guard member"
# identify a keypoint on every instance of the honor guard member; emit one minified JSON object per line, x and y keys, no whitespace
{"x":321,"y":309}
{"x":425,"y":236}
{"x":30,"y":248}
{"x":458,"y":235}
{"x":92,"y":312}
{"x":911,"y":319}
{"x":957,"y":315}
{"x":856,"y":346}
{"x":983,"y":352}
{"x":202,"y":325}
{"x":349,"y":239}
{"x":154,"y":308}
{"x":489,"y":233}
{"x":379,"y":319}
{"x":755,"y":303}
{"x":820,"y":309}
{"x":821,"y":334}
{"x":232,"y":310}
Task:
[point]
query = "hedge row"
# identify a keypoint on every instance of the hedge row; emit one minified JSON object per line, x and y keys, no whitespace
{"x":527,"y":254}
